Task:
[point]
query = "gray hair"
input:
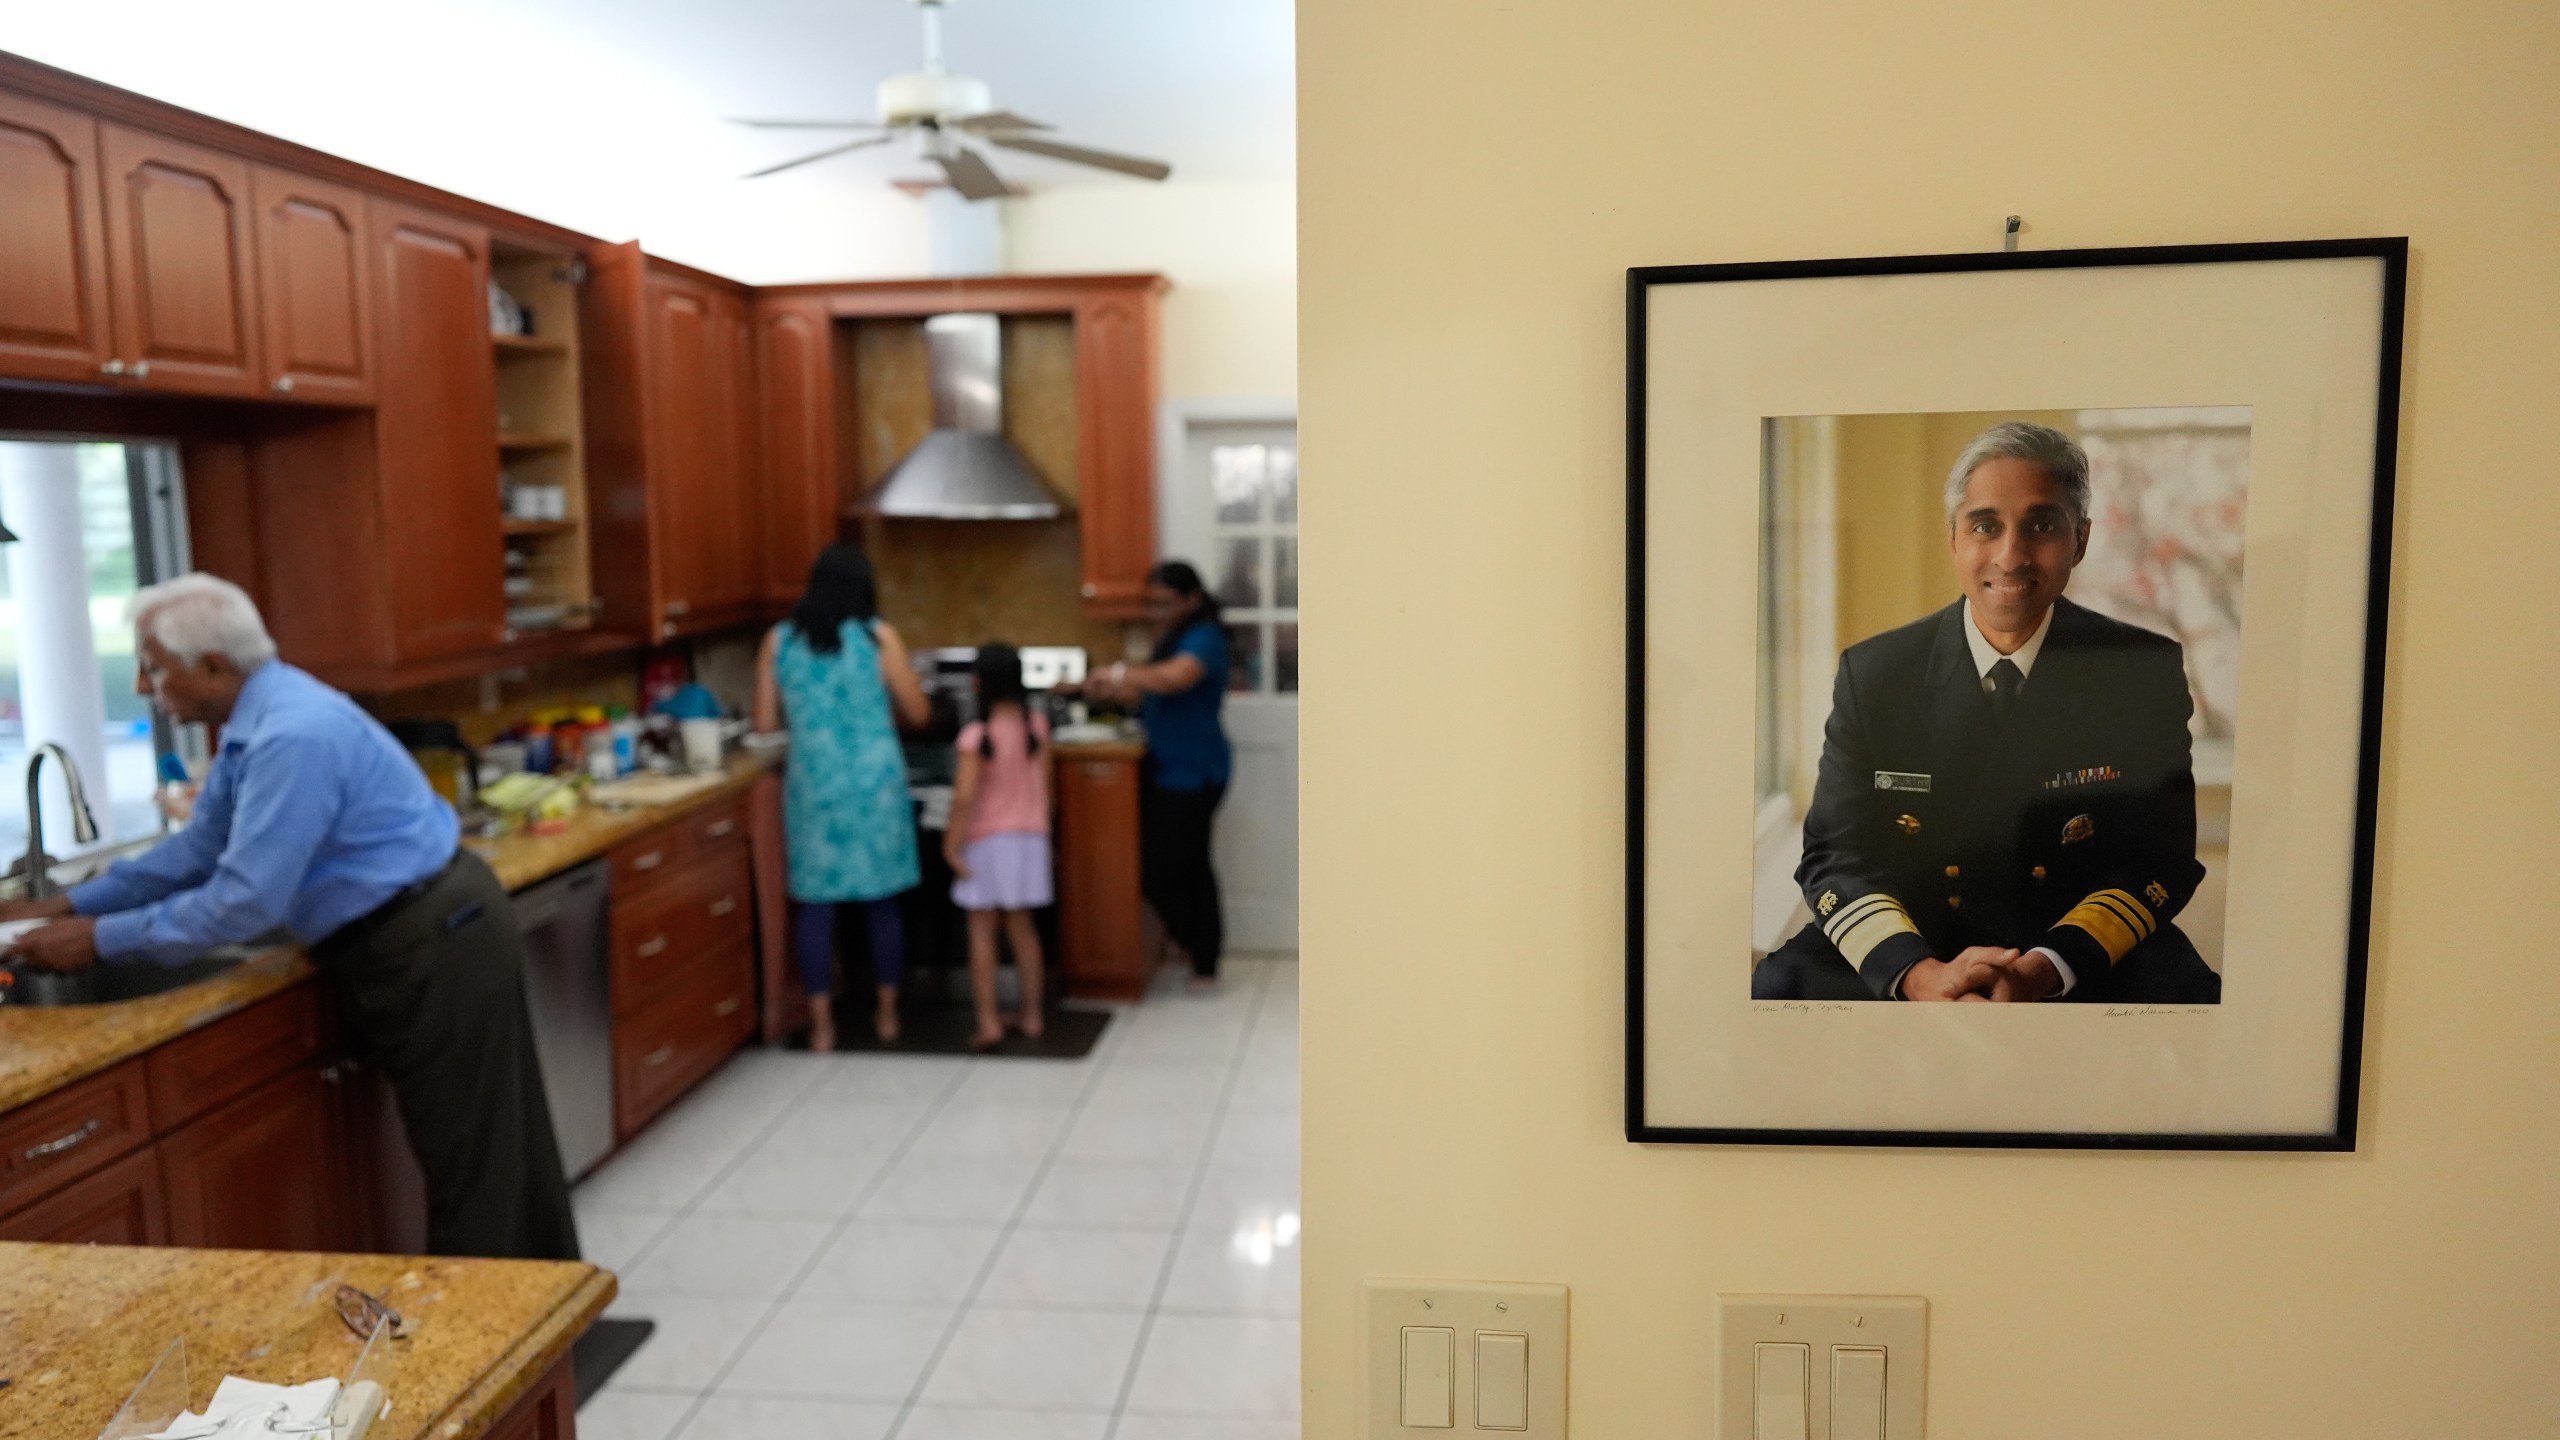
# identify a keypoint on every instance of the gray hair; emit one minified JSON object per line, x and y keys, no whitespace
{"x":2059,"y":454}
{"x":197,"y":615}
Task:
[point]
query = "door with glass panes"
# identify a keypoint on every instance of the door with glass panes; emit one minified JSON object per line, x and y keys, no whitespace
{"x":1244,"y":483}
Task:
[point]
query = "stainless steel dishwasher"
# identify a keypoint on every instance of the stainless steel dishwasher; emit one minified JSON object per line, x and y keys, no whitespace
{"x":566,"y":982}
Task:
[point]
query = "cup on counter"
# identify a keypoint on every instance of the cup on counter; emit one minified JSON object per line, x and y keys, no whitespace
{"x":701,"y":746}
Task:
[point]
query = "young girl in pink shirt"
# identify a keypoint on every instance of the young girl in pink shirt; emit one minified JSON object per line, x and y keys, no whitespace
{"x":998,"y":840}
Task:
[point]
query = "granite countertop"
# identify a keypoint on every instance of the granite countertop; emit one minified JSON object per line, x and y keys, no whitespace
{"x":521,"y":860}
{"x":42,"y":1050}
{"x":80,"y":1325}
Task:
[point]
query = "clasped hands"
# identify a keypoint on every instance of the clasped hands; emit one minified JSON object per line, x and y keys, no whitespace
{"x":1983,"y":972}
{"x":70,"y":942}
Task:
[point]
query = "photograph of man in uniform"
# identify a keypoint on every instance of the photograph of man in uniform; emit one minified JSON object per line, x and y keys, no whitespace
{"x":2005,"y":806}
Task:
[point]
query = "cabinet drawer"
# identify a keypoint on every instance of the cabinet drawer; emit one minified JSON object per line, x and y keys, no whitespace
{"x":708,"y":907}
{"x":72,"y":1132}
{"x":705,"y":1012}
{"x":643,"y":867}
{"x":232,"y":1056}
{"x":119,"y":1205}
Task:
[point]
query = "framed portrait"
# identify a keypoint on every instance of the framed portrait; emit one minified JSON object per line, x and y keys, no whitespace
{"x":2004,"y":668}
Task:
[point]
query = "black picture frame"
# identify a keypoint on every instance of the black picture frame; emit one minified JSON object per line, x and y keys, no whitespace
{"x":1644,"y":286}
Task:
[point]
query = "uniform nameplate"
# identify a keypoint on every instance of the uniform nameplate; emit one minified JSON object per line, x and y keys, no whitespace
{"x":1902,"y":780}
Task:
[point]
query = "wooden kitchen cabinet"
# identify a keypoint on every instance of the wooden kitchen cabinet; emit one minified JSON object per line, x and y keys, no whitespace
{"x":684,"y":958}
{"x":1116,"y":378}
{"x":436,"y":425}
{"x":179,"y":254}
{"x":315,"y":288}
{"x":1101,"y":914}
{"x":265,"y":1172}
{"x":120,"y":1205}
{"x":671,"y":405}
{"x":48,"y":1143}
{"x":795,"y":379}
{"x":53,"y":262}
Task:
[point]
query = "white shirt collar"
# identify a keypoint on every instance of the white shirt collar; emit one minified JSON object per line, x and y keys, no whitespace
{"x":1984,"y":657}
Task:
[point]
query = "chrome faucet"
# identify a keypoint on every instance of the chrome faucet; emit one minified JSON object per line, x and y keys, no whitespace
{"x":84,"y":826}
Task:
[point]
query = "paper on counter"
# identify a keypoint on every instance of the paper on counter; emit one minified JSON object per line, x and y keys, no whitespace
{"x":251,"y":1407}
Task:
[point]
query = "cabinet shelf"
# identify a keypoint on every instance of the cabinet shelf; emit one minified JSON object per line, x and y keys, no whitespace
{"x":513,"y":442}
{"x":528,"y":345}
{"x":542,"y":527}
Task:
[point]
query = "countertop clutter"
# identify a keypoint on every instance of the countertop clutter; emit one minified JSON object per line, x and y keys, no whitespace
{"x":81,"y":1325}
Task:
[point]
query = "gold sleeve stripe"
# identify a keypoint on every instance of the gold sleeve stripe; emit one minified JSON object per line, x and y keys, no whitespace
{"x":1865,"y":923}
{"x":2115,"y":920}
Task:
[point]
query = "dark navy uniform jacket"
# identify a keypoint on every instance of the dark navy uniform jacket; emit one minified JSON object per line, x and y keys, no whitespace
{"x":1934,"y":827}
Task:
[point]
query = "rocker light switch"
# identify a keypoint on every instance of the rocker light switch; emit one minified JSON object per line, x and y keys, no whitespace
{"x":1502,"y":1381}
{"x":1821,"y":1367}
{"x":1780,"y":1406}
{"x":1462,"y":1356}
{"x":1430,"y":1354}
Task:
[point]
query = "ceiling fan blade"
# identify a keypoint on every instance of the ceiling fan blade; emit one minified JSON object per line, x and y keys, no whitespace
{"x":993,"y":121}
{"x":867,"y":140}
{"x":1102,"y":159}
{"x":972,"y":176}
{"x":807,"y":124}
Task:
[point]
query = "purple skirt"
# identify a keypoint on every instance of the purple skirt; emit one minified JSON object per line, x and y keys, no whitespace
{"x":1006,"y":872}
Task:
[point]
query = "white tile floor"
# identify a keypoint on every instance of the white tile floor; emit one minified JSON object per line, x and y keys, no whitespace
{"x":933,"y":1248}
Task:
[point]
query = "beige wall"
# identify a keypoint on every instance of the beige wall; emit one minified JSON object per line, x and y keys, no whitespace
{"x":1230,"y":248}
{"x":1474,"y":180}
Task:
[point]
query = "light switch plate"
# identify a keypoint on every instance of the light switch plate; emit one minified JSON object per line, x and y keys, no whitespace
{"x":1388,"y":1307}
{"x":1896,"y":1324}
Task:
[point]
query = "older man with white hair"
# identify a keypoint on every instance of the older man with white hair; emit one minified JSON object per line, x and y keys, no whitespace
{"x":315,"y":822}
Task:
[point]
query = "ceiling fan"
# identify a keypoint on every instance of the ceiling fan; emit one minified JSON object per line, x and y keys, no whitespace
{"x":939,"y":109}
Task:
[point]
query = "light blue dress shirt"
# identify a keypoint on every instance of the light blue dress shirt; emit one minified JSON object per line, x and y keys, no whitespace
{"x":311,"y":816}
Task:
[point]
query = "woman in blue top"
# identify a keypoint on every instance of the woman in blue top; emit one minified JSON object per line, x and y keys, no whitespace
{"x":1180,"y":691}
{"x":838,"y":675}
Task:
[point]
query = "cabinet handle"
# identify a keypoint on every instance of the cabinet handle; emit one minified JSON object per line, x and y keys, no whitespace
{"x":659,"y":1056}
{"x":1091,"y":589}
{"x":678,"y":607}
{"x":668,"y":630}
{"x":284,"y":384}
{"x":650,"y":861}
{"x":720,"y":829}
{"x":141,"y":370}
{"x":724,"y":906}
{"x":72,"y":1141}
{"x":726,"y":1008}
{"x":653,"y":947}
{"x":112,"y":367}
{"x":332,"y":1075}
{"x":1096,"y":770}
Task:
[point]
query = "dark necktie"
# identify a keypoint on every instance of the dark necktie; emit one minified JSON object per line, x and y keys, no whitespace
{"x":2005,"y":679}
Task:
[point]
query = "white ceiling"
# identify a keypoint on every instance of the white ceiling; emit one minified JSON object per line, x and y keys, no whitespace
{"x":1205,"y":84}
{"x":607,"y":115}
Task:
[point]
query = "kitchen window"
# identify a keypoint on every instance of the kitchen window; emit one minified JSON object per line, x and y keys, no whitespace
{"x":1254,"y":560}
{"x":94,"y":521}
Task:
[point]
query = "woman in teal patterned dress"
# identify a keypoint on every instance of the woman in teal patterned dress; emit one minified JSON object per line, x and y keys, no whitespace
{"x":838,"y":676}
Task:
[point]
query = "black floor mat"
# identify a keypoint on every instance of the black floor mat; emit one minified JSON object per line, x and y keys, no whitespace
{"x":1069,"y":1034}
{"x":601,"y":1351}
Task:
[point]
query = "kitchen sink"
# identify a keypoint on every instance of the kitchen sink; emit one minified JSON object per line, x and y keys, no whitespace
{"x":108,"y":982}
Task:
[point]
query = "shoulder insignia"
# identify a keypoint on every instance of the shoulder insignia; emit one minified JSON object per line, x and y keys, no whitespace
{"x":2078,"y":828}
{"x":1829,"y":902}
{"x":2156,"y":893}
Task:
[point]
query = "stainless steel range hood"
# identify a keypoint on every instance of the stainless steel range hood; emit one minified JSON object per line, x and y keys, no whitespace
{"x":965,"y":469}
